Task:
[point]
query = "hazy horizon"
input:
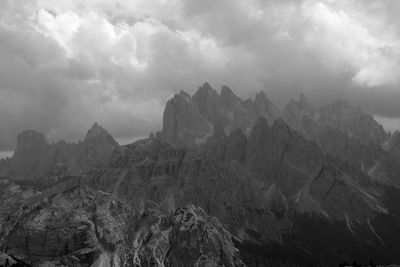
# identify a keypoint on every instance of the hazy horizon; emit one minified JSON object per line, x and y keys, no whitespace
{"x":389,"y":124}
{"x":57,"y":79}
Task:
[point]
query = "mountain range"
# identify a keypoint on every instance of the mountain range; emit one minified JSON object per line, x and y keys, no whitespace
{"x":225,"y":182}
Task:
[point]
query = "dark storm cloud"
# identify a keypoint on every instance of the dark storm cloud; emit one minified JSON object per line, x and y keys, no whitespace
{"x":66,"y":64}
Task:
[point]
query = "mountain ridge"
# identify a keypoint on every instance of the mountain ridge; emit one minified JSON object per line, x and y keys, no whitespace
{"x":227,"y":181}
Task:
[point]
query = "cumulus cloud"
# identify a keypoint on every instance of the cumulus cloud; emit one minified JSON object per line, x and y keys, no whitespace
{"x":65,"y":64}
{"x":353,"y":41}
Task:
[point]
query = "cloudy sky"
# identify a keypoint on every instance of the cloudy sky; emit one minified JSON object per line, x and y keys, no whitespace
{"x":65,"y":64}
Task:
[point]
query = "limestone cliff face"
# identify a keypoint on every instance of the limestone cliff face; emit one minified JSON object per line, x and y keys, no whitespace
{"x":393,"y":145}
{"x":56,"y":159}
{"x":263,"y":107}
{"x":236,"y":146}
{"x":34,"y":157}
{"x":31,"y":147}
{"x":347,"y":134}
{"x":369,"y":157}
{"x":74,"y":225}
{"x":96,"y":149}
{"x":231,"y":111}
{"x":294,"y":169}
{"x":256,"y":141}
{"x":154,"y":203}
{"x":66,"y":225}
{"x":301,"y":115}
{"x":189,"y":119}
{"x":188,"y":237}
{"x":215,"y":146}
{"x":340,"y":116}
{"x":5,"y":167}
{"x":183,"y":122}
{"x":207,"y":100}
{"x":227,"y":182}
{"x":352,"y":120}
{"x":175,"y":177}
{"x":288,"y":154}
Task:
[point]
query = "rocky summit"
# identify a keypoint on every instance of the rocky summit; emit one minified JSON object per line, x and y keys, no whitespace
{"x":190,"y":119}
{"x":226,"y":182}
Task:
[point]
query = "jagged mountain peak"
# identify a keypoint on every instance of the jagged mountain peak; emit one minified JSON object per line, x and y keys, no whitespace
{"x":182,"y":94}
{"x":96,"y":130}
{"x":96,"y":149}
{"x":180,"y":97}
{"x":205,"y":91}
{"x":352,"y":120}
{"x":225,"y":90}
{"x":206,"y":87}
{"x":210,"y":107}
{"x":304,"y":103}
{"x":296,"y":110}
{"x":262,"y":98}
{"x":228,"y":95}
{"x":342,"y":106}
{"x":256,"y":187}
{"x":183,"y":120}
{"x":261,"y":94}
{"x":263,"y":107}
{"x":31,"y":136}
{"x":340,"y":102}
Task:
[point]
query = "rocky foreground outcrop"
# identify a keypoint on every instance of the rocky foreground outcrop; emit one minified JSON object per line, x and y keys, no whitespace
{"x":74,"y":225}
{"x":188,"y":237}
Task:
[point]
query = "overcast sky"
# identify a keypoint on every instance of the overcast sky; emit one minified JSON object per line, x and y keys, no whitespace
{"x":65,"y":64}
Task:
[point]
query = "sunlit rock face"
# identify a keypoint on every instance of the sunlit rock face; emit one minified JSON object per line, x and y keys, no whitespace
{"x":75,"y":225}
{"x":188,"y":237}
